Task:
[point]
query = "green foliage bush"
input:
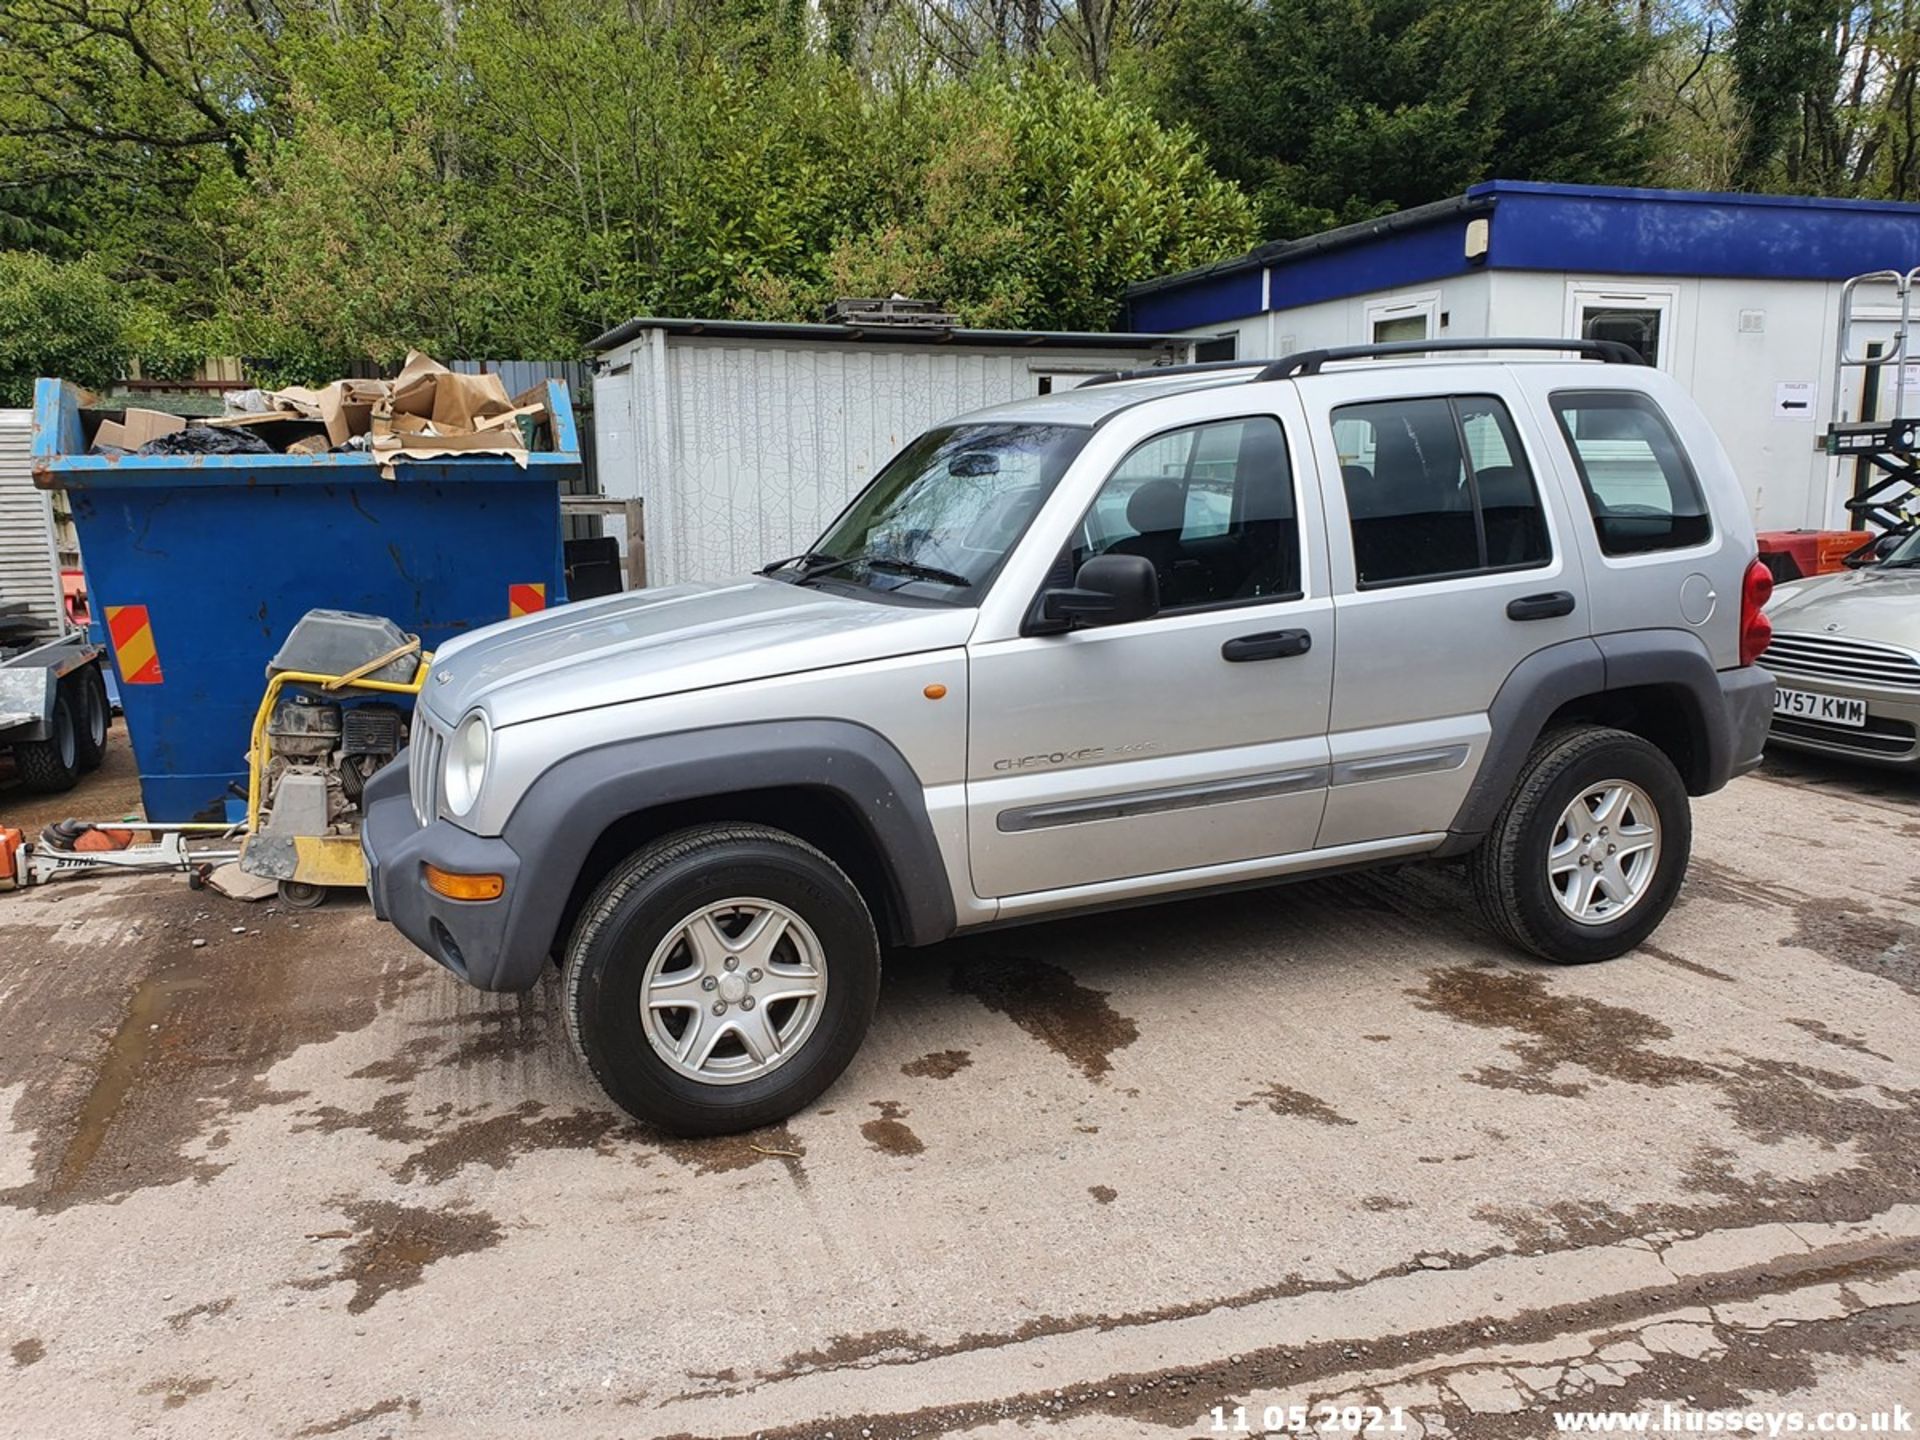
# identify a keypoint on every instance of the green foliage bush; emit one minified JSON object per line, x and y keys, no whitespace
{"x":58,"y":319}
{"x":346,"y":248}
{"x":1034,"y":203}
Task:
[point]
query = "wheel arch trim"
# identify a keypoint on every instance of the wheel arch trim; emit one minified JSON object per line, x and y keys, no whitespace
{"x":1718,"y":711}
{"x":570,"y":805}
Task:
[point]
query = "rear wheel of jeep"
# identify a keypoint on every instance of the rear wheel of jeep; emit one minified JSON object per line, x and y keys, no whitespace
{"x":1586,"y":857}
{"x":721,"y":978}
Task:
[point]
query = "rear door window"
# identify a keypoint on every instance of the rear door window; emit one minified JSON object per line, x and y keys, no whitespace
{"x":1435,"y":487}
{"x":1640,"y":485}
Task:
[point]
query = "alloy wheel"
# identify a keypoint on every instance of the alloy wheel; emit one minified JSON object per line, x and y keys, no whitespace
{"x":1605,"y":851}
{"x":733,"y":991}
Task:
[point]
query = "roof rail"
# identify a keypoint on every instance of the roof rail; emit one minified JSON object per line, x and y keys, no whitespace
{"x":1154,"y":372}
{"x":1309,"y":362}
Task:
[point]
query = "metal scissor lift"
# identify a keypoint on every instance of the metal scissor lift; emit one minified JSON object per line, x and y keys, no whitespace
{"x":1885,"y":451}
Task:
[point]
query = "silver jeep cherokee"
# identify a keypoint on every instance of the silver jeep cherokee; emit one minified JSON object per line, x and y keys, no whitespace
{"x":1171,"y":632}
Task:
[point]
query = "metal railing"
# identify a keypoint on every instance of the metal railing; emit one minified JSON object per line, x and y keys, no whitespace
{"x":1896,"y":352}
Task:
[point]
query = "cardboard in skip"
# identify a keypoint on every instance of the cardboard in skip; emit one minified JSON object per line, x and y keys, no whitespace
{"x":433,"y":412}
{"x":135,"y":430}
{"x":345,"y":407}
{"x":426,"y":412}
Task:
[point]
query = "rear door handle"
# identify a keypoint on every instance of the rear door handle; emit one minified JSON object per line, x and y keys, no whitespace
{"x":1541,"y":607}
{"x":1273,"y":645}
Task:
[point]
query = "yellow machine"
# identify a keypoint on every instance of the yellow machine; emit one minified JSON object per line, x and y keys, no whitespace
{"x":318,"y":737}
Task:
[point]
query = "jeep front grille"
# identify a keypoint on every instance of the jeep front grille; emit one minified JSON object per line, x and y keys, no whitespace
{"x":1829,"y":657}
{"x":423,"y":769}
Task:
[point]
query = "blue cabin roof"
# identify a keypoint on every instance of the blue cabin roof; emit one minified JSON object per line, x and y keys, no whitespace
{"x":1591,"y":229}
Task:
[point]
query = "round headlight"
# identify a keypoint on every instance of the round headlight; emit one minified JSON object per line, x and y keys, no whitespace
{"x":466,"y":763}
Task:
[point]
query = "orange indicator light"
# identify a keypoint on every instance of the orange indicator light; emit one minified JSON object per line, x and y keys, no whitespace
{"x":464,"y":887}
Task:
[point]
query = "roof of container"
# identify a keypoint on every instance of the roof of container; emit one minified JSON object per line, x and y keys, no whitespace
{"x":1599,"y":229}
{"x":1482,"y":198}
{"x":826,"y":334}
{"x":1275,"y":252}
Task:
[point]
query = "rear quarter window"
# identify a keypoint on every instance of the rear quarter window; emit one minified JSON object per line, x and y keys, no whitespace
{"x":1640,"y":485}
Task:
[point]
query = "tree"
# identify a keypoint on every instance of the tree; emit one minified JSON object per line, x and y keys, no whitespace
{"x":346,"y":249}
{"x":325,"y":182}
{"x":1092,"y":36}
{"x":1686,"y":94}
{"x":1331,"y":111}
{"x":1782,"y":58}
{"x":111,"y":114}
{"x":1035,"y":204}
{"x":66,"y":320}
{"x":1824,"y":93}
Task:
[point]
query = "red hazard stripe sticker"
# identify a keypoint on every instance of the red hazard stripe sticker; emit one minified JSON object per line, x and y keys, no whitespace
{"x":525,"y":599}
{"x":133,"y":646}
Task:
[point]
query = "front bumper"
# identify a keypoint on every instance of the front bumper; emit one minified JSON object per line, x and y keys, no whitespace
{"x":491,"y":944}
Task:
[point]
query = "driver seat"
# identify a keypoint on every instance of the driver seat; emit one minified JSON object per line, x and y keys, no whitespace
{"x":1158,"y":513}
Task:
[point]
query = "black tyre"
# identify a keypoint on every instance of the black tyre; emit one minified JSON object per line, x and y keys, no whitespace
{"x":721,"y":978}
{"x":1585,"y":859}
{"x":92,"y":715}
{"x":51,"y":765}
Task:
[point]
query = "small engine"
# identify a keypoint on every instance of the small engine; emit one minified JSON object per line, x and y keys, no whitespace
{"x":325,"y":744}
{"x":328,"y":750}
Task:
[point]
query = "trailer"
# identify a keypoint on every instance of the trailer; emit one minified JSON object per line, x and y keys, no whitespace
{"x":54,"y":709}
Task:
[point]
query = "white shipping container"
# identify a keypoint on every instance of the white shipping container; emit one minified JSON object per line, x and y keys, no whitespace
{"x":744,"y":440}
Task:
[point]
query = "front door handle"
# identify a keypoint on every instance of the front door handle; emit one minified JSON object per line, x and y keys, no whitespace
{"x":1273,"y":645}
{"x":1541,"y":607}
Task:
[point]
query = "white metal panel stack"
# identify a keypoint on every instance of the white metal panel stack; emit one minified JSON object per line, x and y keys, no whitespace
{"x":29,"y":563}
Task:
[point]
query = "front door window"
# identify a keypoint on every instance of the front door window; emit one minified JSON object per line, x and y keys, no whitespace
{"x":1211,"y":506}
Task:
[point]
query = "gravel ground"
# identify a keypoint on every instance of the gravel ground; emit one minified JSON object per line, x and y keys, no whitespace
{"x":1327,"y":1142}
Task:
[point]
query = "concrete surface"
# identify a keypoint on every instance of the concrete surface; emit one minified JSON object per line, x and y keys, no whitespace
{"x":1326,"y":1142}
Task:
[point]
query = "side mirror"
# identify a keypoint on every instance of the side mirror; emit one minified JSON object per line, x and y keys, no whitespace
{"x":1109,"y":590}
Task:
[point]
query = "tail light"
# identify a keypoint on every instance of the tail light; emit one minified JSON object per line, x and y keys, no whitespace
{"x":1756,"y":631}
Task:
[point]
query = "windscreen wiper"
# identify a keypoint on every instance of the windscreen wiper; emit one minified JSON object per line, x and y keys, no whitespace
{"x":917,"y":570}
{"x":811,"y":559}
{"x":819,"y":563}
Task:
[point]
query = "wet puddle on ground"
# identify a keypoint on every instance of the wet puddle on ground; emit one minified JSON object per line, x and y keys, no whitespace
{"x":167,"y":1038}
{"x":126,"y":1057}
{"x":1072,"y":1020}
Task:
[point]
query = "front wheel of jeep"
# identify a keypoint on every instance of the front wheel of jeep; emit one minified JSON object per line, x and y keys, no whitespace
{"x":721,"y":978}
{"x":1586,"y":857}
